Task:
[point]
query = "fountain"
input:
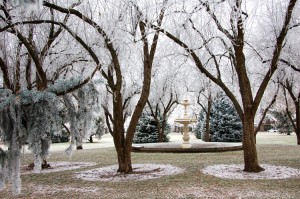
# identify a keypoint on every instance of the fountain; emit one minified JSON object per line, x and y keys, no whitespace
{"x":198,"y":146}
{"x":185,"y":121}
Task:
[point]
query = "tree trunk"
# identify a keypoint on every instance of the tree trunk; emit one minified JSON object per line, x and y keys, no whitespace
{"x":159,"y":129}
{"x":162,"y":131}
{"x":207,"y":126}
{"x":160,"y":135}
{"x":79,"y":143}
{"x":124,"y":160}
{"x":91,"y":139}
{"x":297,"y":130}
{"x":250,"y":153}
{"x":123,"y":154}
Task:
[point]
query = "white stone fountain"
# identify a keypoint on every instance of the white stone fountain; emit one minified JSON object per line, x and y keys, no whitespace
{"x":185,"y":121}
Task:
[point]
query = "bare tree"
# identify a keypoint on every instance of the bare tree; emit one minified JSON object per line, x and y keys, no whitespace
{"x":233,"y":40}
{"x":207,"y":109}
{"x":114,"y":77}
{"x":161,"y":109}
{"x":290,"y":88}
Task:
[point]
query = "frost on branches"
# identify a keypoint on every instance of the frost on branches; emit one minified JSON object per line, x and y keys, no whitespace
{"x":199,"y":131}
{"x":32,"y":117}
{"x":27,"y":116}
{"x":80,"y":113}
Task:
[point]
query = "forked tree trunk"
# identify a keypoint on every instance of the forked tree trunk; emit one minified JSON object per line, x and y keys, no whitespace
{"x":250,"y":153}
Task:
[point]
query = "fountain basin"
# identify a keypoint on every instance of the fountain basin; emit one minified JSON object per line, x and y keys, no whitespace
{"x":202,"y":147}
{"x":185,"y":120}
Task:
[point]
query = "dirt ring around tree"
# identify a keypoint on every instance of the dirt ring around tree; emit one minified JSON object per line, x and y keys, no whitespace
{"x":140,"y":172}
{"x":235,"y":171}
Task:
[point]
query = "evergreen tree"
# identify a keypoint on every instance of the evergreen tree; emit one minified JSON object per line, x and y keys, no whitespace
{"x":99,"y":128}
{"x":147,"y":130}
{"x":284,"y":124}
{"x":225,"y":124}
{"x":200,"y":127}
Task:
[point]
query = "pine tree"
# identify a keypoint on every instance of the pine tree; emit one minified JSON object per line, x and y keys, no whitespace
{"x":284,"y":124}
{"x":200,"y":127}
{"x":99,"y":128}
{"x":225,"y":124}
{"x":147,"y":130}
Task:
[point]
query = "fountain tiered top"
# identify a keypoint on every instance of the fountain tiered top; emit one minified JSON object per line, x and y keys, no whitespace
{"x":185,"y":119}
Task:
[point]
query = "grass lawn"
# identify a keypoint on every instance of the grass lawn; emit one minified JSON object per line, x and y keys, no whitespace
{"x":276,"y":138}
{"x":272,"y":148}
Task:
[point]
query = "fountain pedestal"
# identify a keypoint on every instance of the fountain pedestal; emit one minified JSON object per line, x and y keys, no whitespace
{"x":185,"y":121}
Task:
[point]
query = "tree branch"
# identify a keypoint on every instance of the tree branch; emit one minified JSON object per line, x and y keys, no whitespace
{"x":276,"y":54}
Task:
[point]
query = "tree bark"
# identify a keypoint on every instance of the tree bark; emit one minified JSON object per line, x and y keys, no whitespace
{"x":160,"y":130}
{"x":124,"y":160}
{"x":250,"y":152}
{"x":163,"y":126}
{"x":207,"y":126}
{"x":297,"y":130}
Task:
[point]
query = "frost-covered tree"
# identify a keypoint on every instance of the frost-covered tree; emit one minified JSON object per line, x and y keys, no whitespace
{"x":36,"y":68}
{"x":283,"y":123}
{"x":200,"y":129}
{"x":291,"y":89}
{"x":205,"y":97}
{"x":81,"y":106}
{"x":99,"y":128}
{"x":289,"y":81}
{"x":227,"y":42}
{"x":225,"y":124}
{"x":147,"y":131}
{"x":129,"y":30}
{"x":161,"y":103}
{"x":22,"y":116}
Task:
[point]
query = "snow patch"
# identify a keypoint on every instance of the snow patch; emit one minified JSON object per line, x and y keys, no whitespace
{"x":235,"y":171}
{"x":140,"y":172}
{"x":60,"y":166}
